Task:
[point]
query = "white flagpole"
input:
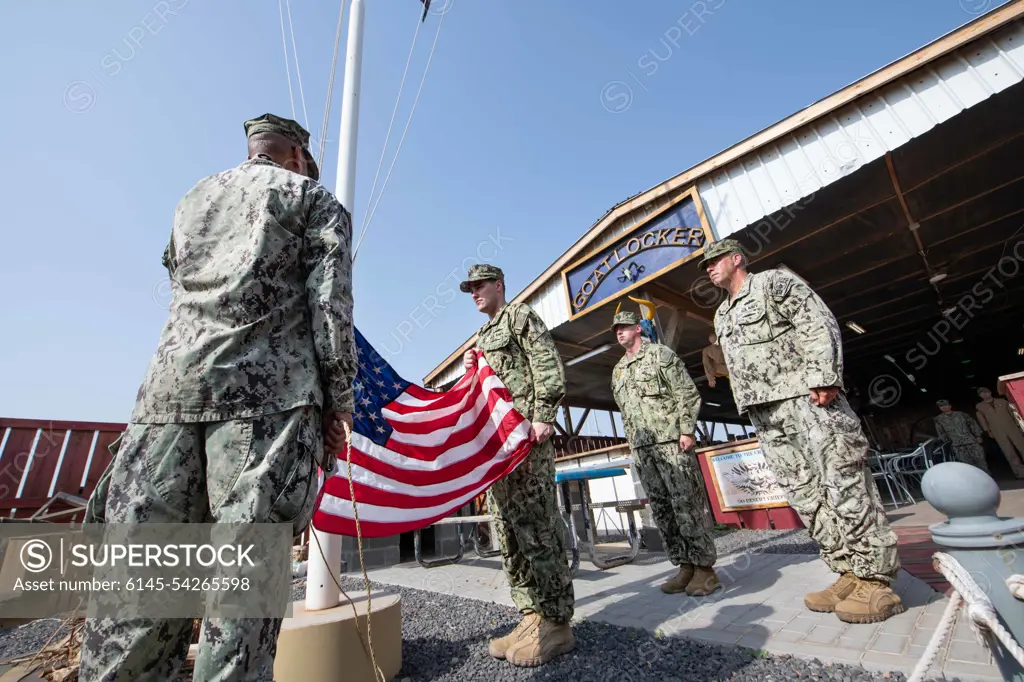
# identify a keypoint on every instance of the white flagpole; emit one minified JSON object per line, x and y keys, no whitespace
{"x":321,"y":590}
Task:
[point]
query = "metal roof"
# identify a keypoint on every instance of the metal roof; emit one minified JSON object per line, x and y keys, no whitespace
{"x":813,"y":148}
{"x":820,"y":153}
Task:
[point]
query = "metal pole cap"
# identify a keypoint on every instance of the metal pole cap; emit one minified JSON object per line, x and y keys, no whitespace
{"x":969,"y":498}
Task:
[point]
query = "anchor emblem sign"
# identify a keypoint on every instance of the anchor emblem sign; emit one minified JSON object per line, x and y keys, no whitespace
{"x":631,"y":273}
{"x":643,"y":252}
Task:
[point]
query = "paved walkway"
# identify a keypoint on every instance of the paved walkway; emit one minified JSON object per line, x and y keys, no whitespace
{"x":761,"y":607}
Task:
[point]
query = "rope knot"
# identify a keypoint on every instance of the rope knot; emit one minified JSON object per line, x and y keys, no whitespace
{"x":1015,"y":583}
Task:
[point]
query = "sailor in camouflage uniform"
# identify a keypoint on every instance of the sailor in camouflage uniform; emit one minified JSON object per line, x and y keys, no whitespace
{"x":251,"y":379}
{"x":659,"y":404}
{"x":783,"y":349}
{"x":963,"y":433}
{"x":517,"y":345}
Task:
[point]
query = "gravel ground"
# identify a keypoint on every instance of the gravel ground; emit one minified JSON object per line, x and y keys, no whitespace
{"x":27,"y":639}
{"x":765,"y":542}
{"x":445,"y":640}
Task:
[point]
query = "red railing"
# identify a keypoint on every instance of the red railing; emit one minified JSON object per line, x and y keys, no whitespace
{"x":39,"y":459}
{"x":565,"y":447}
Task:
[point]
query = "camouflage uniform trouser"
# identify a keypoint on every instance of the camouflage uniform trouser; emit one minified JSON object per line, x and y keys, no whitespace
{"x":533,"y":552}
{"x":675,"y":489}
{"x":819,"y":458}
{"x":971,"y":452}
{"x":257,"y":470}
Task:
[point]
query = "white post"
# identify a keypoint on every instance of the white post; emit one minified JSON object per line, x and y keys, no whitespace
{"x":321,"y":590}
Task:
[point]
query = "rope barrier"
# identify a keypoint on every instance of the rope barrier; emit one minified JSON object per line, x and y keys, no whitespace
{"x":983,"y":616}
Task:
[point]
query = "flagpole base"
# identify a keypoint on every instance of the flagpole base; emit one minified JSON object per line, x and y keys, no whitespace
{"x":324,"y":645}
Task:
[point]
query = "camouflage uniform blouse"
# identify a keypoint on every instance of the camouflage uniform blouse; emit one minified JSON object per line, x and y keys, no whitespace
{"x":520,"y":350}
{"x":779,"y":340}
{"x":260,"y":264}
{"x":657,"y":398}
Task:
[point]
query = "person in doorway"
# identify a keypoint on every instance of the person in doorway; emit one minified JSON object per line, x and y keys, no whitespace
{"x":713,"y":361}
{"x":998,"y":421}
{"x":963,"y":433}
{"x":227,"y":424}
{"x":783,"y":348}
{"x":518,"y":347}
{"x":659,"y":404}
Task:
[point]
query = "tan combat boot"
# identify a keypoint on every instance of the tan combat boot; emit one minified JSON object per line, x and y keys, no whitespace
{"x":826,"y":600}
{"x":872,"y":601}
{"x":679,"y":581}
{"x":541,"y":643}
{"x":500,"y":646}
{"x":704,"y":582}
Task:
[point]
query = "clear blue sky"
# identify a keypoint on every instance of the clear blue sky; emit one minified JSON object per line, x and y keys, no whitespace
{"x":113,"y":110}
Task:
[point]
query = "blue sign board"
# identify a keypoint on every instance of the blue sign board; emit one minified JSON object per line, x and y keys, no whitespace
{"x":640,"y":254}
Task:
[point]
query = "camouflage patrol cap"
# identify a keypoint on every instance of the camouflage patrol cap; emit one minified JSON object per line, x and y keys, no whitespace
{"x":626,"y":317}
{"x":716,"y":249}
{"x":941,"y":403}
{"x":479,"y":273}
{"x":269,"y":123}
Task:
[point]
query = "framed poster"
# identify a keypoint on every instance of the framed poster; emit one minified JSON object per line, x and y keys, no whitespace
{"x":743,"y":480}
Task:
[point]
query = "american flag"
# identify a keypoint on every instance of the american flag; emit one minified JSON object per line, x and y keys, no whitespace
{"x":418,"y":456}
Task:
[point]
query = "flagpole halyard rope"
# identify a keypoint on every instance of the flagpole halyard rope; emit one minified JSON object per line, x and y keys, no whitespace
{"x":330,"y":88}
{"x":298,"y":72}
{"x":287,"y":69}
{"x":367,"y":647}
{"x":387,"y":137}
{"x":368,"y":219}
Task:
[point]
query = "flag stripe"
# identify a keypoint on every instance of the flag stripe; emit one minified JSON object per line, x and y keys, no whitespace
{"x":417,"y":456}
{"x":468,"y":416}
{"x":389,"y":464}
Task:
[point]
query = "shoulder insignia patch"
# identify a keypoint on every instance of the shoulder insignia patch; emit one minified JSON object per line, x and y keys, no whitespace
{"x":520,"y":318}
{"x":665,"y":354}
{"x":780,"y":286}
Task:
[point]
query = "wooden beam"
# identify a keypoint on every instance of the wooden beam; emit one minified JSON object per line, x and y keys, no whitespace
{"x":672,"y":298}
{"x":570,"y":344}
{"x":1001,"y":143}
{"x":946,"y":283}
{"x":810,"y":233}
{"x":673,"y":327}
{"x":583,"y":420}
{"x":975,"y":197}
{"x":958,"y":256}
{"x":857,"y":347}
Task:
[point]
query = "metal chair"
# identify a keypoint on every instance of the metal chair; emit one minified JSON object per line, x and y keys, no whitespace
{"x":910,"y":468}
{"x":939,"y":451}
{"x":878,"y":464}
